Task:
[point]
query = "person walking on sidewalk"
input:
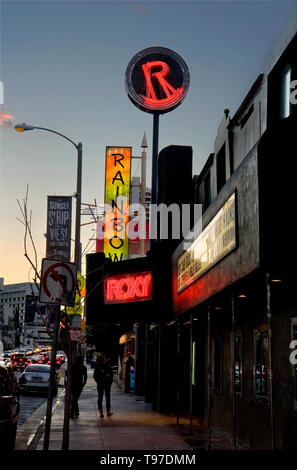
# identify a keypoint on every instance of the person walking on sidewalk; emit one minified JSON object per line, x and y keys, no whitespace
{"x":78,"y":381}
{"x":103,"y":375}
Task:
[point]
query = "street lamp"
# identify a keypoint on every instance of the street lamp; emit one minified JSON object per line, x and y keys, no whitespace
{"x":77,"y":255}
{"x":77,"y":258}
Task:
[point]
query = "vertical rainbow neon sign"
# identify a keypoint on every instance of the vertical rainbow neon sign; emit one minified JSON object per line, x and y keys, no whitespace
{"x":117,"y":193}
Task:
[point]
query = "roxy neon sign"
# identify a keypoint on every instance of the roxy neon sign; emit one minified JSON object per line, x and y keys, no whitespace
{"x":132,"y":287}
{"x":157,"y":80}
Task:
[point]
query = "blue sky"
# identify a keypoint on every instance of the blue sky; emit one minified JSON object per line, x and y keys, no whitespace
{"x":63,"y":66}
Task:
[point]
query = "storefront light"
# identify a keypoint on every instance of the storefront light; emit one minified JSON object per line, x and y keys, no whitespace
{"x":242,"y":296}
{"x":276,"y":280}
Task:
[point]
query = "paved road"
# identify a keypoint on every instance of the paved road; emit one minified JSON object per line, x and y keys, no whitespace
{"x":31,"y":401}
{"x":28,"y":404}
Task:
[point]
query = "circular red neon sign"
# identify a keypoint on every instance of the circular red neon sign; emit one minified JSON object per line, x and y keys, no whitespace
{"x":157,"y":80}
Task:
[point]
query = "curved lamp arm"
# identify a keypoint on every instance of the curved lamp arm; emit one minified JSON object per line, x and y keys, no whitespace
{"x":25,"y":127}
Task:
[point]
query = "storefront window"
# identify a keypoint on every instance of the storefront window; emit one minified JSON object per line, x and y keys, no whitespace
{"x":238,"y":362}
{"x":261,"y":363}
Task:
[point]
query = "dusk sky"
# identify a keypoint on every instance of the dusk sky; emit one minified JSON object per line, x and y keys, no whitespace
{"x":63,"y":66}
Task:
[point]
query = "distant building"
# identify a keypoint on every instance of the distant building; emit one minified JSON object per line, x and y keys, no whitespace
{"x":135,"y":198}
{"x":15,"y":315}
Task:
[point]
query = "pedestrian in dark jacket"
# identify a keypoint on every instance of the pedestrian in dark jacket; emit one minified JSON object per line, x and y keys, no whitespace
{"x":78,"y":381}
{"x":103,"y":375}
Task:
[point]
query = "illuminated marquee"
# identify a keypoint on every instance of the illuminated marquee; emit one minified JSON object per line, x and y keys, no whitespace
{"x":132,"y":287}
{"x":157,"y":80}
{"x":214,"y":242}
{"x":117,"y":191}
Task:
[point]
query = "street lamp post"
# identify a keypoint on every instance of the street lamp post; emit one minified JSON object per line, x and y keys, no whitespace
{"x":77,"y":258}
{"x":77,"y":255}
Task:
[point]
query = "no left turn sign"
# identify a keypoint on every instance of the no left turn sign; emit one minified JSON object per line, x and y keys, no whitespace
{"x":58,"y":282}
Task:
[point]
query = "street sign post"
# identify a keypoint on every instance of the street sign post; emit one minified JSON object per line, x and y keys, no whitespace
{"x":58,"y":282}
{"x":52,"y":380}
{"x":75,"y":334}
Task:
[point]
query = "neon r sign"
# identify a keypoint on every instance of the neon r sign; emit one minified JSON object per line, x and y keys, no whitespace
{"x":132,"y":287}
{"x":168,"y":90}
{"x":157,"y":80}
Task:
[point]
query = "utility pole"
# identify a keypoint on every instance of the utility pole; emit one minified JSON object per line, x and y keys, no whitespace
{"x":17,"y":326}
{"x":52,"y":381}
{"x":143,"y":188}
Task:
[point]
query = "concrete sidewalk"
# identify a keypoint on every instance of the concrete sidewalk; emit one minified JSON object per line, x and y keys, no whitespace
{"x":133,"y":426}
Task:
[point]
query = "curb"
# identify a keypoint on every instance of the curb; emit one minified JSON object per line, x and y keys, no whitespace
{"x":31,"y":431}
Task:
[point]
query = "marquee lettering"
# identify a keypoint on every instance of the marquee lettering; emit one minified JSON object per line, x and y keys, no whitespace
{"x":114,"y":246}
{"x":118,"y":178}
{"x":160,"y":76}
{"x":117,"y":190}
{"x":128,"y":288}
{"x":171,"y":93}
{"x":117,"y":224}
{"x":118,"y":160}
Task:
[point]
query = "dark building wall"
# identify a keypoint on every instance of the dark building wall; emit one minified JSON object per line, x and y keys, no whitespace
{"x":265,"y":185}
{"x":252,"y":415}
{"x":288,"y":58}
{"x":247,"y":125}
{"x":169,"y":368}
{"x":253,"y":423}
{"x":277,"y":195}
{"x":175,"y":175}
{"x":245,"y":258}
{"x":284,"y":308}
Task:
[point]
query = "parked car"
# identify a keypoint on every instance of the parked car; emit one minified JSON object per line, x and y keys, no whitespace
{"x":4,"y":360}
{"x":9,"y":408}
{"x":36,"y":378}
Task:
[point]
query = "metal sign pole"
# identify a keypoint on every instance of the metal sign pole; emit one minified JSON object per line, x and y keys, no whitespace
{"x":52,"y":381}
{"x":154,"y":198}
{"x":78,"y":208}
{"x":191,"y":375}
{"x":270,"y":375}
{"x":233,"y":372}
{"x":178,"y":374}
{"x":143,"y":188}
{"x":208,"y":378}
